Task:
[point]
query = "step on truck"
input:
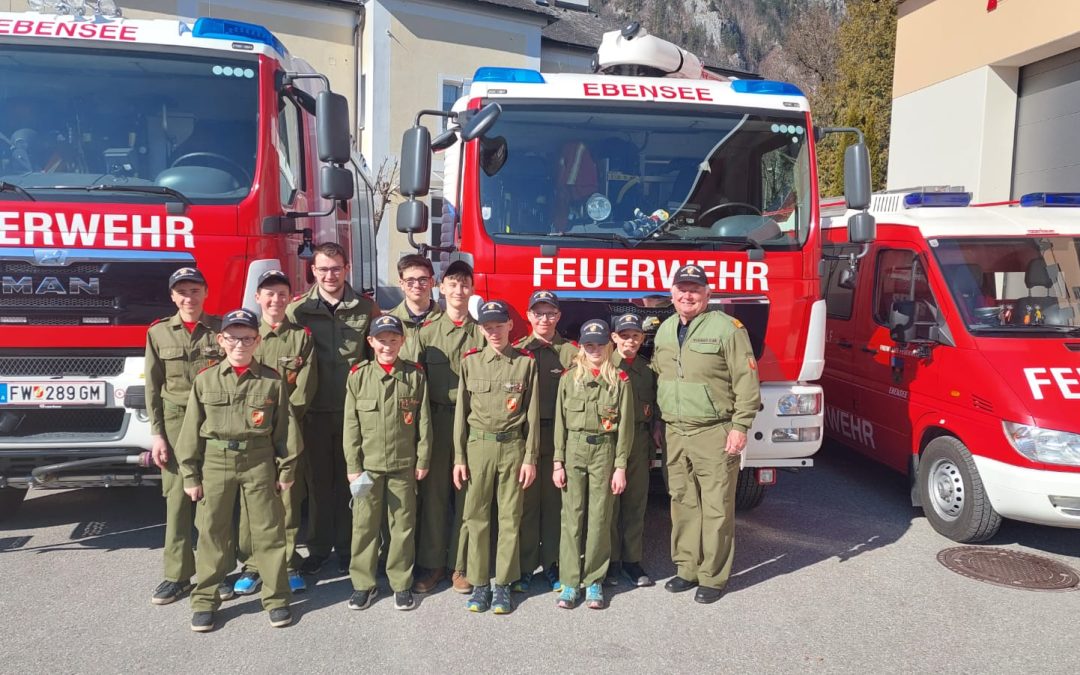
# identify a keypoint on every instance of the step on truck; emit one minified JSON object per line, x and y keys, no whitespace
{"x":129,"y":149}
{"x":600,"y":186}
{"x":952,"y":354}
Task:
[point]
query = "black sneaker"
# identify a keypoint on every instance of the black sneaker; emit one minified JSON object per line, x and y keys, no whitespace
{"x":500,"y":600}
{"x":362,"y":599}
{"x":312,"y":564}
{"x":343,"y":564}
{"x":480,"y":600}
{"x":404,"y":601}
{"x":280,"y":617}
{"x":170,"y":591}
{"x":225,"y":591}
{"x":636,"y":574}
{"x":202,"y":622}
{"x":613,"y":572}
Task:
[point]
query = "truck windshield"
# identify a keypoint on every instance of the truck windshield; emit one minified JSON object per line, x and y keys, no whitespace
{"x":1015,"y":285}
{"x":80,"y":118}
{"x":645,"y":176}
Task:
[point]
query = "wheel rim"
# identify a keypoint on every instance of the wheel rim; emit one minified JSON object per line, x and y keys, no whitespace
{"x":946,"y":489}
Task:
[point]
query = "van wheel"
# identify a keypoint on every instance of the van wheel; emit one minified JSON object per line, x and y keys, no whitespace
{"x":748,"y":492}
{"x":10,"y":499}
{"x":953,"y":497}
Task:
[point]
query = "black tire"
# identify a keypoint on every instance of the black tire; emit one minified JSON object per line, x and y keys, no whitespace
{"x":952,"y":493}
{"x":10,"y":500}
{"x":748,"y":492}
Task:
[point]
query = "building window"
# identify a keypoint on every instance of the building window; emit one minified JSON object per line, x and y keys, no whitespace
{"x":451,"y":90}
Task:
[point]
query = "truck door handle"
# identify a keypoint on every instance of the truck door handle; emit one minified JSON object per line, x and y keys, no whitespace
{"x":868,"y":350}
{"x":844,"y":344}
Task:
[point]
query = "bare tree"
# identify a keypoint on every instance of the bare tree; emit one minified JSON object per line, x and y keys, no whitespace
{"x":387,"y":189}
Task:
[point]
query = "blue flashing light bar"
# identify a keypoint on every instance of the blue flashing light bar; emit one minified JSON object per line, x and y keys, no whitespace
{"x":1051,"y":199}
{"x":765,"y":87}
{"x":936,"y":199}
{"x":227,"y":29}
{"x":515,"y":75}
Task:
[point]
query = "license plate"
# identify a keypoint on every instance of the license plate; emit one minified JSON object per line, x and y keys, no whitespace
{"x":52,"y":393}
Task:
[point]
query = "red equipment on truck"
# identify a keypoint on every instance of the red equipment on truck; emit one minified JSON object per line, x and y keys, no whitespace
{"x":129,"y":149}
{"x":953,"y":355}
{"x":600,"y":186}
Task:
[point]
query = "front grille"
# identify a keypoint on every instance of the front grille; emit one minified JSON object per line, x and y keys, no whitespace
{"x":61,"y":423}
{"x":56,"y":302}
{"x":14,"y":267}
{"x":53,"y":366}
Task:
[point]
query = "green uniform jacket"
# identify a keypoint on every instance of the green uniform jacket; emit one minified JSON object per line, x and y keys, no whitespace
{"x":592,"y":407}
{"x":552,"y":359}
{"x":643,"y":380}
{"x":252,"y":409}
{"x":711,"y":379}
{"x":387,"y":418}
{"x":410,"y":351}
{"x":290,"y":350}
{"x":497,"y":393}
{"x":340,"y":341}
{"x":440,"y":346}
{"x":173,"y":358}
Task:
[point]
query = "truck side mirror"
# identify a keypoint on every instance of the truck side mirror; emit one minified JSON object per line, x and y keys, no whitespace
{"x":862,"y":228}
{"x":332,"y":127}
{"x":902,"y":321}
{"x":335,"y":182}
{"x":415,"y":167}
{"x":444,"y":140}
{"x":412,"y":217}
{"x":480,"y":122}
{"x":857,"y":177}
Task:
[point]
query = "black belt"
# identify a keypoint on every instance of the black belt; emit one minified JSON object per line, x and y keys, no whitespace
{"x":237,"y":445}
{"x":591,"y":439}
{"x":499,"y":436}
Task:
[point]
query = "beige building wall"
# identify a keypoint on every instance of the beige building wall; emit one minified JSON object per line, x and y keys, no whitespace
{"x":955,"y":87}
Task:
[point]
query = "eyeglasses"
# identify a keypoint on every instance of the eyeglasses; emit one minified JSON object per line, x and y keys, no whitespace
{"x":329,"y":271}
{"x":416,"y":281}
{"x":233,"y":341}
{"x":545,"y":316}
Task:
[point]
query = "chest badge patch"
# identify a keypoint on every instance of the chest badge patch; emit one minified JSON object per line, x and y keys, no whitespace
{"x":606,"y":423}
{"x":258,"y":417}
{"x":511,"y":404}
{"x":408,"y":417}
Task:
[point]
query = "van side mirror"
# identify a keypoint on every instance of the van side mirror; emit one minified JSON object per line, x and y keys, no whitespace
{"x":332,"y":127}
{"x":902,"y":321}
{"x":847,"y":278}
{"x":415,"y":169}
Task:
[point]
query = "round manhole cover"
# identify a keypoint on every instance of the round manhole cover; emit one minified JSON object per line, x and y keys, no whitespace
{"x":1005,"y":567}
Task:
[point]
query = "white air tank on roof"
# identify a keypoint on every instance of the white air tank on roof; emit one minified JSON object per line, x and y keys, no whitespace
{"x":632,"y":51}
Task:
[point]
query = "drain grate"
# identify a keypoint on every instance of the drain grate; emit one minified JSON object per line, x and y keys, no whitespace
{"x":1013,"y":569}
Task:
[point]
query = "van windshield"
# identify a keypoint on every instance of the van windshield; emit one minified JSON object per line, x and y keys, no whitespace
{"x":1013,"y":285}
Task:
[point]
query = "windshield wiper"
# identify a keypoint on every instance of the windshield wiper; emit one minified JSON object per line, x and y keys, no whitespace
{"x":17,"y":189}
{"x":666,"y":235}
{"x":1043,"y":328}
{"x":160,"y":190}
{"x":596,"y":236}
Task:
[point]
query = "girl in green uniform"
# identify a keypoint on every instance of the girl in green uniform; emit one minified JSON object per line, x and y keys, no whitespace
{"x":594,"y":431}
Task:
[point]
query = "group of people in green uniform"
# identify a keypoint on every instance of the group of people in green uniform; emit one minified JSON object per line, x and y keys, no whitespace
{"x":425,"y":438}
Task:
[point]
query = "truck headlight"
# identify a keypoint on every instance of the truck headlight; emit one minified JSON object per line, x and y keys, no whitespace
{"x":798,"y":404}
{"x":1044,"y":445}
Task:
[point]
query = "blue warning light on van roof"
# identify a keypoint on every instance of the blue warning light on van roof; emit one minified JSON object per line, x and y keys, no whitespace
{"x":936,"y":199}
{"x":1050,"y":199}
{"x":227,"y":29}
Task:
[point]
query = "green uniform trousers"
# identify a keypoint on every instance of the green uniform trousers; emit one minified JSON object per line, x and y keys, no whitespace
{"x":329,"y":520}
{"x":179,"y":509}
{"x":586,"y":509}
{"x":252,"y":474}
{"x":493,"y":475}
{"x":541,"y":515}
{"x":441,"y":508}
{"x":393,"y":495}
{"x":701,"y":480}
{"x":628,"y":512}
{"x":292,"y":499}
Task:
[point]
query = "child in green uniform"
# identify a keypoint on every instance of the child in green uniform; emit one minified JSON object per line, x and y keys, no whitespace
{"x":235,"y":440}
{"x":594,"y":430}
{"x":387,"y":435}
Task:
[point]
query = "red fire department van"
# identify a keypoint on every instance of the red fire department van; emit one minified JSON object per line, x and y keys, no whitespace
{"x":129,"y":149}
{"x":600,"y":186}
{"x":952,"y":354}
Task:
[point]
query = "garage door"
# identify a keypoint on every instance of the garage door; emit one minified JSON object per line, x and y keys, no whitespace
{"x":1047,"y":155}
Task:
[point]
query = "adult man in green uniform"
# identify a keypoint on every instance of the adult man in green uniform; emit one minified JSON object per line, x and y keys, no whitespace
{"x":628,"y":514}
{"x":708,"y":392}
{"x":442,"y":341}
{"x":388,"y":437}
{"x":290,"y":350}
{"x":234,"y":442}
{"x":416,"y":277}
{"x":496,"y":443}
{"x":338,"y":319}
{"x":177,"y":348}
{"x":541,"y":519}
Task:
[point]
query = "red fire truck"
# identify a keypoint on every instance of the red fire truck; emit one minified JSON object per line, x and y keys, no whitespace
{"x":128,"y":149}
{"x":953,"y":355}
{"x":600,"y":186}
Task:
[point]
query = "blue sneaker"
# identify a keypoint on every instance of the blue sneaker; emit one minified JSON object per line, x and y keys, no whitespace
{"x":522,"y":584}
{"x":500,"y":601}
{"x":594,"y":596}
{"x":296,"y":582}
{"x":552,"y":576}
{"x":568,"y":598}
{"x":480,"y":600}
{"x":248,"y":583}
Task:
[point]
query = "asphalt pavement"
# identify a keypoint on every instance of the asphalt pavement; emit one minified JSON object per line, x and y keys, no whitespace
{"x":834,"y":572}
